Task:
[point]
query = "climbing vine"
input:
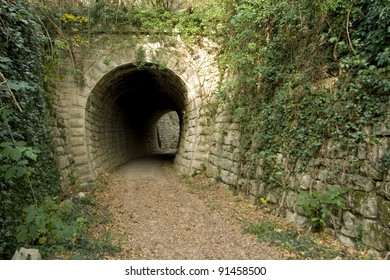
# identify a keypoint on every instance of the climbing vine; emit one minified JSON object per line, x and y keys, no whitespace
{"x":306,"y":72}
{"x":28,"y":171}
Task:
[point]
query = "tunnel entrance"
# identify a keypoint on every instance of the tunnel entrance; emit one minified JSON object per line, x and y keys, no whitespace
{"x":124,"y":112}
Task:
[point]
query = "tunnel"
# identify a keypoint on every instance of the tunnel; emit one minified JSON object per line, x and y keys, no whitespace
{"x":123,"y":111}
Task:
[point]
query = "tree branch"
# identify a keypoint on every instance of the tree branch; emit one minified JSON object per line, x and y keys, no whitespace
{"x":4,"y":81}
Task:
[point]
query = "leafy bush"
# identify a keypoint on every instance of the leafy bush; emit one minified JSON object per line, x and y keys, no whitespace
{"x":320,"y":206}
{"x":45,"y":224}
{"x":28,"y":170}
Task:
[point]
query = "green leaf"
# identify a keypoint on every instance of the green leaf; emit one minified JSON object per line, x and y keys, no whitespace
{"x":6,"y":151}
{"x":16,"y":86}
{"x":31,"y":154}
{"x":10,"y":173}
{"x":16,"y":153}
{"x":20,"y":144}
{"x":4,"y":168}
{"x":40,"y":220}
{"x":42,"y":240}
{"x":5,"y":59}
{"x":21,"y":236}
{"x":33,"y":232}
{"x":5,"y":144}
{"x":30,"y":216}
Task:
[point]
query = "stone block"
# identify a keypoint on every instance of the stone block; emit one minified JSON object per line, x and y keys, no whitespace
{"x":256,"y":189}
{"x":360,"y":183}
{"x":79,"y":150}
{"x":384,"y":212}
{"x":77,"y":132}
{"x":346,"y":240}
{"x":291,"y":199}
{"x":375,"y":236}
{"x":322,"y":175}
{"x":305,"y":182}
{"x":362,"y":151}
{"x":382,"y":129}
{"x":297,"y":219}
{"x":77,"y":141}
{"x":76,"y":122}
{"x":365,"y":204}
{"x":26,"y":254}
{"x":373,"y":153}
{"x":372,"y":170}
{"x":259,"y":172}
{"x":77,"y":112}
{"x":78,"y":101}
{"x":383,"y":188}
{"x":351,"y":225}
{"x":335,"y":150}
{"x":228,"y":177}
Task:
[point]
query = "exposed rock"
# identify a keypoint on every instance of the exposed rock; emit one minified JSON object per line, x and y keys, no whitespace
{"x":347,"y":241}
{"x":305,"y":181}
{"x":81,"y":195}
{"x":351,"y":225}
{"x":375,"y":236}
{"x":26,"y":254}
{"x":296,"y":218}
{"x":365,"y":204}
{"x":384,"y":212}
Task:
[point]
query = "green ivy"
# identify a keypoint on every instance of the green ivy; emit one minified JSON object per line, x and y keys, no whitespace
{"x":283,"y":53}
{"x":28,"y":169}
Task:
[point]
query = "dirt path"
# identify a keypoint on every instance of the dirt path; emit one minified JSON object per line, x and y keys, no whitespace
{"x":158,"y":218}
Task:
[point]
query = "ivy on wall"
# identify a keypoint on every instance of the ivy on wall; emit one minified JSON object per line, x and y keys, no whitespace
{"x":28,"y":170}
{"x":305,"y":72}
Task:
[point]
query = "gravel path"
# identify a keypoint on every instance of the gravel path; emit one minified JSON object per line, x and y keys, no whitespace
{"x":156,"y":217}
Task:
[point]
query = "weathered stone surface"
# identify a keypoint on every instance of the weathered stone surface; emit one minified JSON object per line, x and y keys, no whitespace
{"x":383,"y":188}
{"x":382,"y":129}
{"x":291,"y":199}
{"x":362,"y":151}
{"x":358,"y":182}
{"x":296,"y":218}
{"x":375,"y":236}
{"x":350,"y":225}
{"x":76,"y":123}
{"x":365,"y":204}
{"x":372,"y":170}
{"x":384,"y":212}
{"x":168,"y":128}
{"x":347,"y":241}
{"x":228,"y":177}
{"x":256,"y":189}
{"x":305,"y":182}
{"x":26,"y":254}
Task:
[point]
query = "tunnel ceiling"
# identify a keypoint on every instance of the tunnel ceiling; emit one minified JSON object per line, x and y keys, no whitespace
{"x":143,"y":91}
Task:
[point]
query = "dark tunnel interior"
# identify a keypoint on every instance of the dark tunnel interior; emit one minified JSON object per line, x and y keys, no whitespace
{"x":123,"y":111}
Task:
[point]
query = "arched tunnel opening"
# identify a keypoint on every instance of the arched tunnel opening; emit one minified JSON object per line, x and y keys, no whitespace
{"x":126,"y":115}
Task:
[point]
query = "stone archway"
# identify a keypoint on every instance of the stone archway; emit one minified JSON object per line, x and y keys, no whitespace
{"x":109,"y":112}
{"x":123,"y":109}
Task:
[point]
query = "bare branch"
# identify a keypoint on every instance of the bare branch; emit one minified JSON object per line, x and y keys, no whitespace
{"x":4,"y":81}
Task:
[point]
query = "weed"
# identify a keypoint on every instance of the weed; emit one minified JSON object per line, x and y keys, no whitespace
{"x":319,"y":206}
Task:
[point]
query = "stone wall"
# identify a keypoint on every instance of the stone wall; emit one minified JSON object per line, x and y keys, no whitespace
{"x":168,"y":131}
{"x":113,"y":93}
{"x":364,"y":171}
{"x":224,"y":158}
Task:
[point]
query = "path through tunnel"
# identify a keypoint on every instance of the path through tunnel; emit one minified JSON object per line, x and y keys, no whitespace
{"x":124,"y":109}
